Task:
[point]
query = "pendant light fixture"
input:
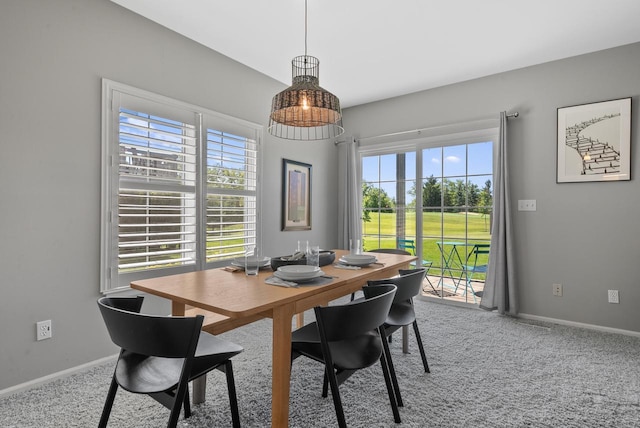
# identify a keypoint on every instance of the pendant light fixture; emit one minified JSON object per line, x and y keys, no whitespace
{"x":304,"y":111}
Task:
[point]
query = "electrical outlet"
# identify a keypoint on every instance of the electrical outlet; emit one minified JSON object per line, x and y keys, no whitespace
{"x":614,"y":297}
{"x":43,"y":330}
{"x":557,"y":290}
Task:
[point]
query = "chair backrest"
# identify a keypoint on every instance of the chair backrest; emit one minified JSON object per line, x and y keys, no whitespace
{"x":150,"y":335}
{"x":482,"y":248}
{"x":477,"y":250}
{"x":356,"y":318}
{"x":130,"y":304}
{"x":409,"y":283}
{"x":407,"y":244}
{"x":390,"y":251}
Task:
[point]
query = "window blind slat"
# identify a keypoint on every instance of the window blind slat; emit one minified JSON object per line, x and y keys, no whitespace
{"x":156,"y":263}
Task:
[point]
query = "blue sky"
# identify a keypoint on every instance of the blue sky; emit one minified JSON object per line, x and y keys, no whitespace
{"x":450,"y":162}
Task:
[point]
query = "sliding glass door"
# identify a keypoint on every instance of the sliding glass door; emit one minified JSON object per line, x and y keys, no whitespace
{"x":437,"y":197}
{"x":388,"y":199}
{"x":457,"y":196}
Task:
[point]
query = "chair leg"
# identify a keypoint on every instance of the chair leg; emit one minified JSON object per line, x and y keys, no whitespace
{"x":187,"y":404}
{"x":426,"y":276}
{"x":392,"y":374}
{"x":473,"y":292}
{"x":464,"y":274}
{"x":405,"y":339}
{"x":390,"y":391}
{"x":325,"y":386}
{"x":335,"y":394}
{"x":421,"y":347}
{"x":177,"y":404}
{"x":108,"y":404}
{"x":233,"y":399}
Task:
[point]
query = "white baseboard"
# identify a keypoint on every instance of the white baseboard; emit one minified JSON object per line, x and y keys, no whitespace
{"x":58,"y":375}
{"x":580,"y":325}
{"x":539,"y":318}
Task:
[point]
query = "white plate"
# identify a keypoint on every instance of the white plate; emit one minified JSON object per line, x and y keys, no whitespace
{"x":299,"y":269}
{"x":297,"y":278}
{"x":359,"y":258}
{"x":239,"y":262}
{"x":354,"y":262}
{"x":297,"y":275}
{"x":286,"y":278}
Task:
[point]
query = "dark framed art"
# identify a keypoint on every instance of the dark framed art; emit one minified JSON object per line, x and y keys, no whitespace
{"x":594,"y":142}
{"x":296,"y":195}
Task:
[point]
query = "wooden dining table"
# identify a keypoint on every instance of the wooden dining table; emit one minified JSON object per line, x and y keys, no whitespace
{"x":233,"y":299}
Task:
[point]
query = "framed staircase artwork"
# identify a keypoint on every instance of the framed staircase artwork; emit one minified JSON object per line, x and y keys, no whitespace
{"x":594,"y":142}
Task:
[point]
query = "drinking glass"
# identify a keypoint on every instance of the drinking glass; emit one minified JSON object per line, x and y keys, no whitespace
{"x":354,"y":246}
{"x":251,"y":261}
{"x":303,"y":246}
{"x":313,"y":255}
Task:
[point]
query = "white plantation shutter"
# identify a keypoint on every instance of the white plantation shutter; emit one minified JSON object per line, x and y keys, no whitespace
{"x":157,"y":192}
{"x":231,"y":194}
{"x":175,"y":198}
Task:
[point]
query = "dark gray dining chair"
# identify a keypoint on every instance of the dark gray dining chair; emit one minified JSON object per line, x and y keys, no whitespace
{"x":347,"y":338}
{"x":160,"y":355}
{"x":402,"y":313}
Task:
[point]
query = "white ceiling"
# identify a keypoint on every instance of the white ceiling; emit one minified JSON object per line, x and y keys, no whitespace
{"x":376,"y":49}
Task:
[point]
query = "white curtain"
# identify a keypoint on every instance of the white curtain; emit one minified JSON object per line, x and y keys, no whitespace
{"x":500,"y":288}
{"x":349,"y":215}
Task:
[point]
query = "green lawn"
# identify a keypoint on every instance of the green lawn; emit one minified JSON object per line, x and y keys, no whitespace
{"x":380,"y":232}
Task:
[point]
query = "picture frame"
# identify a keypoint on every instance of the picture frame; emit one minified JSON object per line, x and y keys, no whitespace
{"x":296,"y":195}
{"x":594,"y":142}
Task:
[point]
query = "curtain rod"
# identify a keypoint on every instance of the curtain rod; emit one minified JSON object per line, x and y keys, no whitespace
{"x":395,"y":134}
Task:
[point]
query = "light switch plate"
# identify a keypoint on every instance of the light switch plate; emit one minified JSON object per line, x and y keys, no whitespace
{"x":526,"y":205}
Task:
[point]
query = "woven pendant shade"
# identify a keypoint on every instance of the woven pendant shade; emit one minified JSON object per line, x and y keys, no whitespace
{"x":305,"y":111}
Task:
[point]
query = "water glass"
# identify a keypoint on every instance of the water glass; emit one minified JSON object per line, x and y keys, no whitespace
{"x":313,"y":255}
{"x":354,"y":246}
{"x":251,"y":262}
{"x":303,"y":247}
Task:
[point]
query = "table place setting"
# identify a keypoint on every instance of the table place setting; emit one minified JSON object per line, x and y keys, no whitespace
{"x":248,"y":264}
{"x":351,"y":261}
{"x":261,"y":262}
{"x":274,"y":280}
{"x":295,"y":275}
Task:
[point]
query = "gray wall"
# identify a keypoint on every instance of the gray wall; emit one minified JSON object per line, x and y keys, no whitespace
{"x":583,"y":235}
{"x":53,"y":56}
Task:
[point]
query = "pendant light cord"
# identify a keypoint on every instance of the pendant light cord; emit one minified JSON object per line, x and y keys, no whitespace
{"x":305,"y":27}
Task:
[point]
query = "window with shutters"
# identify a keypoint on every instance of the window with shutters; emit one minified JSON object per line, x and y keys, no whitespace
{"x":179,"y":186}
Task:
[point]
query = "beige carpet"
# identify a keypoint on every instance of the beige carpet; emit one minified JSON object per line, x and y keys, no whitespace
{"x":486,"y":371}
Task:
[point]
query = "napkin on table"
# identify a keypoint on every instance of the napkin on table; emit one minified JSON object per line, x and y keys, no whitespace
{"x":339,"y":266}
{"x":274,"y":280}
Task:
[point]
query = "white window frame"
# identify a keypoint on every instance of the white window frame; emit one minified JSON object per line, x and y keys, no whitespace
{"x":203,"y":119}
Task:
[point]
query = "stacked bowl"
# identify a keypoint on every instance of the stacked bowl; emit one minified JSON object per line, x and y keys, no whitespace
{"x":358,"y":259}
{"x":298,"y":273}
